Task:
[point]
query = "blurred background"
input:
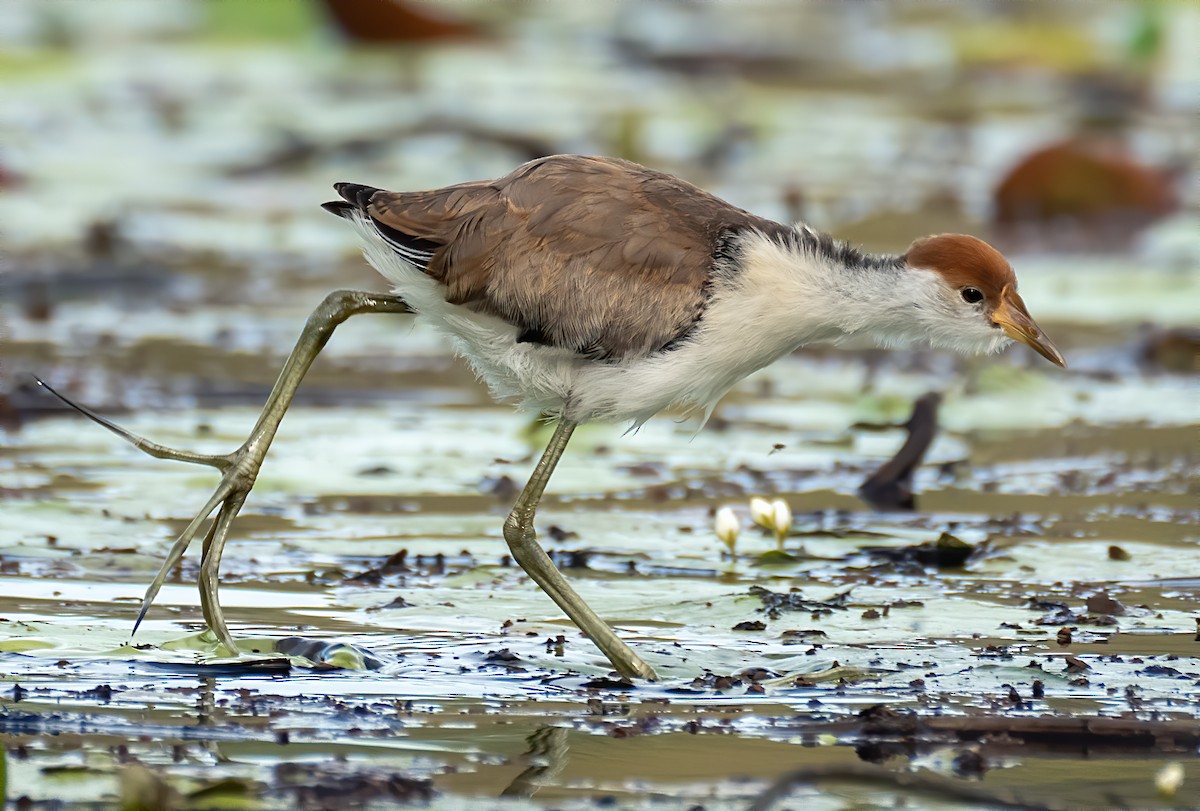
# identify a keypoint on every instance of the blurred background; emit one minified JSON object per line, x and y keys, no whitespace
{"x":162,"y":163}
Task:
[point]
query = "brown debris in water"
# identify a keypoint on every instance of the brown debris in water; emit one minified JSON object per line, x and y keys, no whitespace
{"x":1103,"y":603}
{"x":310,"y":785}
{"x":774,"y":603}
{"x":947,"y":552}
{"x":398,"y":602}
{"x":750,"y":625}
{"x":395,"y":564}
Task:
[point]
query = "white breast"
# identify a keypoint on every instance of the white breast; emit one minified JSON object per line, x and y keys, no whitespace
{"x":752,"y":319}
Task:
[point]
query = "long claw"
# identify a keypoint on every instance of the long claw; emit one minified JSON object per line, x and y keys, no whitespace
{"x":210,"y":566}
{"x":208,"y":536}
{"x":178,"y":548}
{"x":141,"y":443}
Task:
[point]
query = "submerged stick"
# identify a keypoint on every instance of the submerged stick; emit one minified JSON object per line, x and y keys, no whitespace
{"x":891,"y":487}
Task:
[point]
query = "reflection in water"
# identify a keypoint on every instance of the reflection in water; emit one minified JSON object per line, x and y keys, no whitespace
{"x":206,"y":703}
{"x":206,"y":711}
{"x":913,"y":786}
{"x":547,"y":755}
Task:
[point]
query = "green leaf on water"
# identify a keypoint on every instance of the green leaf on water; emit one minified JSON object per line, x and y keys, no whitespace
{"x":23,"y":644}
{"x":776,"y":557}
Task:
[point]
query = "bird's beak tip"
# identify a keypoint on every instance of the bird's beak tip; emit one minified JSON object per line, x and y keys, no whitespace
{"x":1019,"y":325}
{"x":1036,"y":340}
{"x":1057,"y":359}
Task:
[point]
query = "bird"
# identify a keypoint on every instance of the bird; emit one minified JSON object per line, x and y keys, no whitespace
{"x":594,"y":289}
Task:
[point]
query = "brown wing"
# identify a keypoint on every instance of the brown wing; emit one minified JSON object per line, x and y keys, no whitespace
{"x":594,"y":254}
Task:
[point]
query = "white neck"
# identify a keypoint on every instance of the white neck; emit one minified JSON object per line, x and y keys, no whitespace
{"x":813,"y":290}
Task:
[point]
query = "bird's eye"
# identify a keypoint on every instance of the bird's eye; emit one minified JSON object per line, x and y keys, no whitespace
{"x":971,"y":295}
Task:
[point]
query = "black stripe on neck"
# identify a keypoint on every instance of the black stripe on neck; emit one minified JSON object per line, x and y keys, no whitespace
{"x":836,"y":251}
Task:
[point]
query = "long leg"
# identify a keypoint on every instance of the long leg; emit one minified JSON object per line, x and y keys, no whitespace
{"x":240,"y":468}
{"x":522,"y":541}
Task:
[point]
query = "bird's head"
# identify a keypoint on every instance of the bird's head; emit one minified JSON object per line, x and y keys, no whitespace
{"x":977,"y":305}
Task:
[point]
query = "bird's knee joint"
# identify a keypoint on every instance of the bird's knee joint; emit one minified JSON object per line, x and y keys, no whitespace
{"x":341,"y":299}
{"x":518,"y":530}
{"x":244,"y":470}
{"x":335,"y":308}
{"x":512,"y":528}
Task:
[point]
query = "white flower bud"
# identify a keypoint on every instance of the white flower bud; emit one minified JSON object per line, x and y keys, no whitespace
{"x":761,"y":512}
{"x":728,"y":526}
{"x":781,"y":517}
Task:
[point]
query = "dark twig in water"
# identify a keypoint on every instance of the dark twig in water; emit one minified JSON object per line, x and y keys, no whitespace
{"x":891,"y":487}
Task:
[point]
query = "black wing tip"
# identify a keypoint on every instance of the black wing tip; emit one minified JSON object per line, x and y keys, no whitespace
{"x":413,"y":249}
{"x":339,"y":207}
{"x":356,"y":197}
{"x":355,"y":193}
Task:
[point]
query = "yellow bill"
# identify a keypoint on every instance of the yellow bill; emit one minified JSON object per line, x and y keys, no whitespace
{"x":1018,"y":324}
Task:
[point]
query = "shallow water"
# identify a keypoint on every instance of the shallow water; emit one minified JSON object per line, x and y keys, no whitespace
{"x":479,"y":666}
{"x":455,"y":679}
